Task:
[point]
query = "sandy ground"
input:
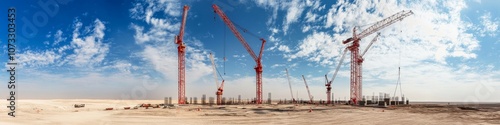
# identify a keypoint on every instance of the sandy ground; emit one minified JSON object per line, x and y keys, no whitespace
{"x":62,"y":112}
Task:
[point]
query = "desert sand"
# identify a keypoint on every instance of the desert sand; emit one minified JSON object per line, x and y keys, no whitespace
{"x":63,"y":112}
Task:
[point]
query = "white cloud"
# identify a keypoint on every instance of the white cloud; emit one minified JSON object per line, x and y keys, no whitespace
{"x":239,"y":56}
{"x":35,"y":59}
{"x":318,"y":47}
{"x":124,"y":66}
{"x":284,"y":48}
{"x":163,"y":19}
{"x":58,"y":37}
{"x":161,"y":27}
{"x":162,"y":60}
{"x":277,"y":65}
{"x":306,"y":28}
{"x":88,"y":50}
{"x":270,"y":4}
{"x":272,"y":38}
{"x":490,"y":26}
{"x":311,"y":17}
{"x":293,"y":8}
{"x":48,"y":35}
{"x":436,"y":35}
{"x":425,"y":40}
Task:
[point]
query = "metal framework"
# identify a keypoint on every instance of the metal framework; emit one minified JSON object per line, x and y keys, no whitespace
{"x":258,"y":59}
{"x":181,"y":54}
{"x":329,"y":83}
{"x":307,"y":87}
{"x":220,"y":88}
{"x":357,"y":60}
{"x":290,"y":85}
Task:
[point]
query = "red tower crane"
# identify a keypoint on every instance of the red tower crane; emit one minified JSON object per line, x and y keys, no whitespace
{"x":307,"y":87}
{"x":357,"y":60}
{"x":329,"y":83}
{"x":328,"y":90}
{"x":181,"y":52}
{"x":220,"y":88}
{"x":258,"y":67}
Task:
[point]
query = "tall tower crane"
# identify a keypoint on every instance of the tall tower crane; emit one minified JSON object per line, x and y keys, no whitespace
{"x":357,"y":60}
{"x":258,"y":59}
{"x":329,"y":83}
{"x":220,"y":88}
{"x":181,"y":52}
{"x":290,"y":85}
{"x":307,"y":87}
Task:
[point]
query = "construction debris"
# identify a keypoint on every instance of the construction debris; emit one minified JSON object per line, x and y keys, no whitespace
{"x":79,"y":105}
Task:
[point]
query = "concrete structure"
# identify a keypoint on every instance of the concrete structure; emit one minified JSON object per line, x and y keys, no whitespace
{"x":203,"y":99}
{"x":211,"y":100}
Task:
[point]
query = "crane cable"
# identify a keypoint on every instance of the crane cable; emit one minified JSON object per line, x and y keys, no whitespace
{"x":241,"y":28}
{"x":224,"y":50}
{"x":246,"y":31}
{"x":399,"y":77}
{"x":400,"y":89}
{"x":219,"y":72}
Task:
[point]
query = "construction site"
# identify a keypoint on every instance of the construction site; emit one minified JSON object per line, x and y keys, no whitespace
{"x":352,"y":45}
{"x":216,"y":107}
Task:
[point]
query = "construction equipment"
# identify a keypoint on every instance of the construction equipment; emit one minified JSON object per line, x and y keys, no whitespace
{"x":329,"y":83}
{"x":79,"y":105}
{"x":357,"y":60}
{"x":258,"y":59}
{"x":399,"y":80}
{"x":290,"y":85}
{"x":181,"y":53}
{"x":220,"y":88}
{"x":307,"y":87}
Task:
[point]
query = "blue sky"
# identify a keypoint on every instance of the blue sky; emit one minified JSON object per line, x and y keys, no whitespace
{"x":447,"y":50}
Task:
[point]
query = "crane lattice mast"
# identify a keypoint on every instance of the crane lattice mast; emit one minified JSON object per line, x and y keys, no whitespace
{"x":181,"y":58}
{"x":308,"y":92}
